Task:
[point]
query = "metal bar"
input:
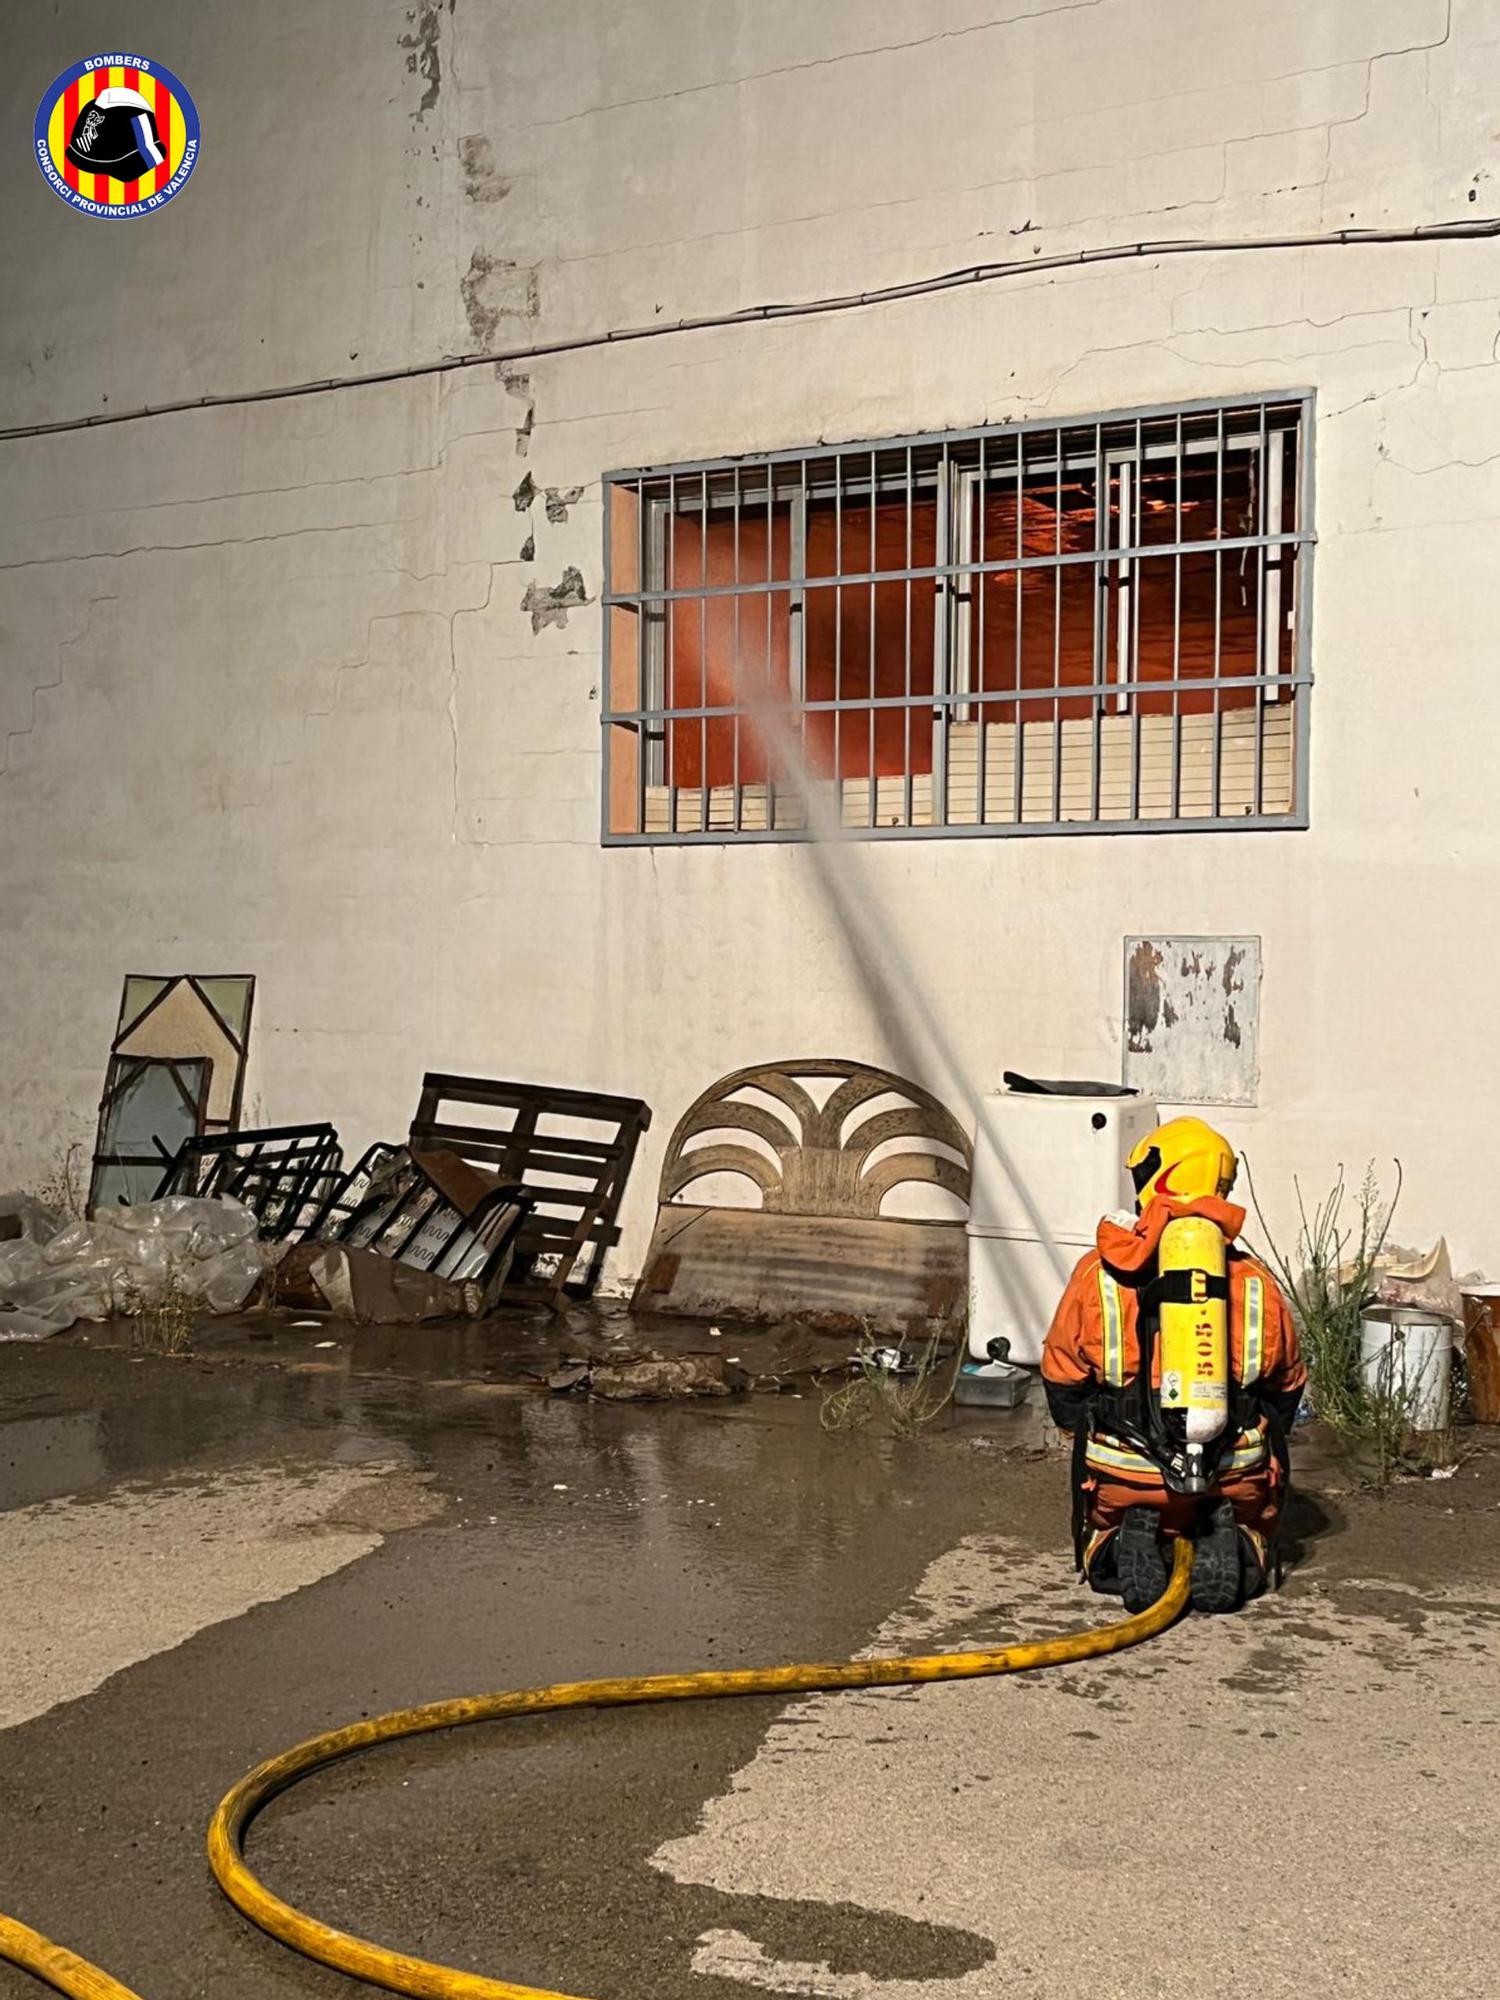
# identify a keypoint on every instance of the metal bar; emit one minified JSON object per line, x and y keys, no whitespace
{"x":606,"y":793}
{"x":907,"y":799}
{"x":838,"y":635}
{"x":644,"y":749}
{"x":1218,"y":620}
{"x":874,"y":564}
{"x":739,"y":654}
{"x":769,"y":691}
{"x":1286,"y":400}
{"x":1101,"y":646}
{"x":950,"y":571}
{"x":1274,"y":459}
{"x":654,"y":628}
{"x":770,"y":694}
{"x":1083,"y":692}
{"x":1289,"y":822}
{"x":1057,"y":663}
{"x":703,"y":786}
{"x":943,"y":675}
{"x":1018,"y":675}
{"x":1260,"y":471}
{"x":979,"y":667}
{"x":801,"y":732}
{"x":1302,"y":577}
{"x":1133,"y":708}
{"x":1120,"y":431}
{"x":669,"y":661}
{"x":1177,"y":642}
{"x":797,"y":609}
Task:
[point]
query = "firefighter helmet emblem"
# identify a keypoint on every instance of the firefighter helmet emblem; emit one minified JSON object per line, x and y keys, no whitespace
{"x":116,"y":136}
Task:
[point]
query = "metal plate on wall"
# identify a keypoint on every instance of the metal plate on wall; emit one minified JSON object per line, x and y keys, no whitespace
{"x":1192,"y":1019}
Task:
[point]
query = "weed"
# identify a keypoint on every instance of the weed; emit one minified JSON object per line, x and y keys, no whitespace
{"x":62,"y":1186}
{"x":908,"y":1401}
{"x":1329,"y":1280}
{"x":163,"y":1323}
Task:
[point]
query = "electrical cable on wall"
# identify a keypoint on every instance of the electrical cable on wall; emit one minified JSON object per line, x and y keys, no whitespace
{"x":1469,"y":230}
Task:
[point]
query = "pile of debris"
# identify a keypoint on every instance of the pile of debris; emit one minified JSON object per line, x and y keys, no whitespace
{"x":411,"y":1234}
{"x":461,"y":1217}
{"x":123,"y":1261}
{"x":648,"y":1378}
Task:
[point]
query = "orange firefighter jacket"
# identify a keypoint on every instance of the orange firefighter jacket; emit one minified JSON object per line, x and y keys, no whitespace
{"x":1093,"y":1344}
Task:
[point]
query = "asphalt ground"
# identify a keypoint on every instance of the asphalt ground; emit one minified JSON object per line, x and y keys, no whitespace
{"x":203,"y":1560}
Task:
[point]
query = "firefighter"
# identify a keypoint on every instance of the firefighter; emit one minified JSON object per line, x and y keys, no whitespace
{"x":1138,"y":1479}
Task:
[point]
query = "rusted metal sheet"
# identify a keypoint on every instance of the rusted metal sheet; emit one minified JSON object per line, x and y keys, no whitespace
{"x":885,"y":1276}
{"x":1192,"y":1019}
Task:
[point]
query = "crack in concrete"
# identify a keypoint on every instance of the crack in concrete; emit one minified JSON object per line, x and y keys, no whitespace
{"x":39,"y":688}
{"x":218,"y":542}
{"x":990,"y":27}
{"x":826,"y":62}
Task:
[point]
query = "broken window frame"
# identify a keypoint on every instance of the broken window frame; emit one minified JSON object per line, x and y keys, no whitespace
{"x":283,"y":1173}
{"x":122,"y":1072}
{"x":127,"y":1025}
{"x":638,"y":715}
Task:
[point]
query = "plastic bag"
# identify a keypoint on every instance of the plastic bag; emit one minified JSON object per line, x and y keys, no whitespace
{"x":127,"y":1258}
{"x":1424,"y":1282}
{"x":23,"y":1219}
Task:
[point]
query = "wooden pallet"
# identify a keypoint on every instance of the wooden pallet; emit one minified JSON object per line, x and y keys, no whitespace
{"x":571,"y":1150}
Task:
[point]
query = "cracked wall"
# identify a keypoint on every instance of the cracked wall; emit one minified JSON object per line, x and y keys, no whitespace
{"x":311,"y":687}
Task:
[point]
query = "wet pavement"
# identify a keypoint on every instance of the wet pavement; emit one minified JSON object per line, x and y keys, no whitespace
{"x":204,"y":1559}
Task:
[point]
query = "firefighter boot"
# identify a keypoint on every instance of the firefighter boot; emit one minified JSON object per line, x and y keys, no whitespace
{"x":1218,"y":1583}
{"x":1139,"y":1562}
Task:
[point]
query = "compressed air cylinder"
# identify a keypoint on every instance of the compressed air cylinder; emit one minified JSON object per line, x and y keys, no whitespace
{"x":1193,"y":1263}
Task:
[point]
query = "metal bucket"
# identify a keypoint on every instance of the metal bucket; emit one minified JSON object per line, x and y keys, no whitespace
{"x":1409,"y":1353}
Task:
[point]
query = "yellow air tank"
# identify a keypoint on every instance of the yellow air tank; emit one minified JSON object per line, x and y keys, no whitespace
{"x":1193,"y":1267}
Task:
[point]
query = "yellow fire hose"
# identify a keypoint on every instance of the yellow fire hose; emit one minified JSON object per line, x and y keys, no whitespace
{"x":399,"y":1973}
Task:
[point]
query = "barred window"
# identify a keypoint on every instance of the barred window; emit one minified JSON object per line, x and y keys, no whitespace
{"x":1035,"y":628}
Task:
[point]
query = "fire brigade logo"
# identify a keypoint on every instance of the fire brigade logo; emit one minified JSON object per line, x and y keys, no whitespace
{"x":116,"y":136}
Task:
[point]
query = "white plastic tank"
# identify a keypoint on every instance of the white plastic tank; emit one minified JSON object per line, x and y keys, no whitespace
{"x":1046,"y":1167}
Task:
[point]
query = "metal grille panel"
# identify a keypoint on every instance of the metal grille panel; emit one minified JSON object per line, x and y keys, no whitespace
{"x":1036,"y":628}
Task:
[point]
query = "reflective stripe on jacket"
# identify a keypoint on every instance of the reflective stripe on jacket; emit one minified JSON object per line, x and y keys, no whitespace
{"x":1112,"y":1458}
{"x":1092,"y":1341}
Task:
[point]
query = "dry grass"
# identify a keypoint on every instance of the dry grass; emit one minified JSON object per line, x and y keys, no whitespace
{"x":163,"y":1325}
{"x":64,"y":1188}
{"x":908,"y":1402}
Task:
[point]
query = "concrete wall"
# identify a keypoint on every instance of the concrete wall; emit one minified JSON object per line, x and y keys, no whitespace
{"x":271,"y":699}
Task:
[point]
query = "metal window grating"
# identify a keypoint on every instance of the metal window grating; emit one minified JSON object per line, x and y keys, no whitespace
{"x":1100,"y":624}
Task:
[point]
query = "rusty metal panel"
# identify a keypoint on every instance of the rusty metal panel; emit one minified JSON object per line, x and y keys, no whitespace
{"x":878,"y":1275}
{"x":1192,"y":1019}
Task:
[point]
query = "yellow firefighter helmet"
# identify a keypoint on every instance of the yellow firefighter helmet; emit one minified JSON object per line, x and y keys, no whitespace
{"x":1185,"y":1158}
